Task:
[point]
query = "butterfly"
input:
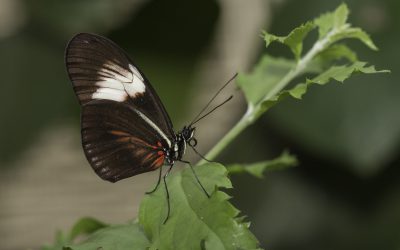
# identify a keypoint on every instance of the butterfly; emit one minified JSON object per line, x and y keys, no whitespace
{"x":125,"y":128}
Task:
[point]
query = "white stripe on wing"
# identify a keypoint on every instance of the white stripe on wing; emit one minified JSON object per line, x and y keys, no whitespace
{"x":154,"y":126}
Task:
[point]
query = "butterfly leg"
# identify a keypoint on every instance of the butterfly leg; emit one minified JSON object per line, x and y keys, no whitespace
{"x":158,"y":183}
{"x":166,"y":190}
{"x":197,"y":152}
{"x":195,"y":175}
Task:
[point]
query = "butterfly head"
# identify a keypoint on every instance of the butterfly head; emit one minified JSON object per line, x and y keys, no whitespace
{"x":183,"y":137}
{"x":187,"y":134}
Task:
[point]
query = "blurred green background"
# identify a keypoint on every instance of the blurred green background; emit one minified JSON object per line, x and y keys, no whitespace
{"x":344,"y":195}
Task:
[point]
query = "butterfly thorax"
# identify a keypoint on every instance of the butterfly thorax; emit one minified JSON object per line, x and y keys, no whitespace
{"x":177,"y":150}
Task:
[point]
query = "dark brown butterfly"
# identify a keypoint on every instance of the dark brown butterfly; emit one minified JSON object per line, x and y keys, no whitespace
{"x":125,"y":128}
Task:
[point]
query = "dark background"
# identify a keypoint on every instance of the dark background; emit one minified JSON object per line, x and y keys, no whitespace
{"x":343,"y":195}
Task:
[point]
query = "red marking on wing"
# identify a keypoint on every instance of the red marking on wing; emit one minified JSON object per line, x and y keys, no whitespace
{"x":159,"y":161}
{"x":119,"y":133}
{"x":139,"y":141}
{"x":148,"y":157}
{"x":153,"y":158}
{"x":125,"y":137}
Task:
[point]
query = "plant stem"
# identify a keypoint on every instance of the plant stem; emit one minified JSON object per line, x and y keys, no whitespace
{"x":253,"y":112}
{"x":243,"y":123}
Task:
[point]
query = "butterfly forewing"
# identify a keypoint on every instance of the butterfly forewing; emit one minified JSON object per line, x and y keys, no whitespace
{"x":124,"y":125}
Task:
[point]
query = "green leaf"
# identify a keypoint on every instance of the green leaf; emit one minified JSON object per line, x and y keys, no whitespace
{"x":340,"y":15}
{"x":265,"y":76}
{"x":334,"y":53}
{"x":356,"y":33}
{"x":294,"y":40}
{"x":85,"y":226}
{"x":196,"y":222}
{"x":333,"y":27}
{"x":338,"y":73}
{"x":117,"y":237}
{"x":332,"y":20}
{"x":258,"y":169}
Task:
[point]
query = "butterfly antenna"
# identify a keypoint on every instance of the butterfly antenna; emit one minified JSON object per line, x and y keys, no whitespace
{"x":212,"y":110}
{"x":212,"y":99}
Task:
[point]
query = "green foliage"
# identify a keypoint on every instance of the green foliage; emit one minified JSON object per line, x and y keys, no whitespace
{"x":294,"y":40}
{"x":84,"y":226}
{"x":334,"y":53}
{"x":101,"y":235}
{"x":264,"y":87}
{"x":338,"y":73}
{"x":333,"y":27}
{"x":259,"y":169}
{"x":326,"y":60}
{"x":198,"y":222}
{"x":116,"y":237}
{"x":269,"y":71}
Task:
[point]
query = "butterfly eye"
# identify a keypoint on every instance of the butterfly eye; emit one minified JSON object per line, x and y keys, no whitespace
{"x":192,"y":142}
{"x":186,"y":134}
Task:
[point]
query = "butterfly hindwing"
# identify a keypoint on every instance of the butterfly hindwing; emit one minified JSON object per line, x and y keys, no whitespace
{"x":125,"y":126}
{"x":115,"y":144}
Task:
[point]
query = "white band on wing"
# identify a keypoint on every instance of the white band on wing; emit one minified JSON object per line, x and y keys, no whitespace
{"x":117,"y":87}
